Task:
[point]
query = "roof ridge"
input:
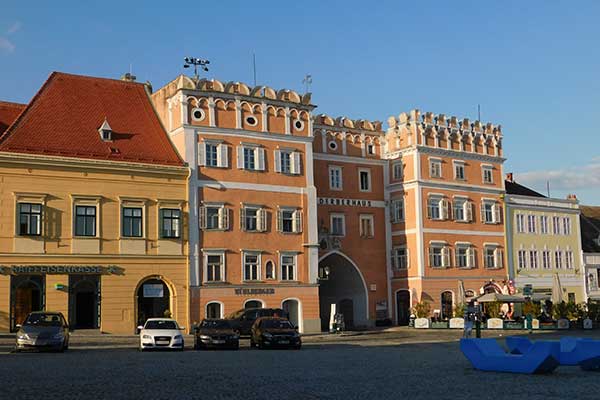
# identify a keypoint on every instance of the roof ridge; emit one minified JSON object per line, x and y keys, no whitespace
{"x":13,"y":104}
{"x":88,"y":77}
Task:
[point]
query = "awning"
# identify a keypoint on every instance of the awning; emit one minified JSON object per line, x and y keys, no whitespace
{"x":503,"y":298}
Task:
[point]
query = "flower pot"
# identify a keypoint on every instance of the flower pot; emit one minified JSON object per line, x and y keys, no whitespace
{"x":440,"y":325}
{"x":495,"y":323}
{"x":457,"y":323}
{"x":422,"y":323}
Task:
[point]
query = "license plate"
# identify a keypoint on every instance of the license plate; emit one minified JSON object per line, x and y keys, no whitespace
{"x":284,"y":342}
{"x":218,"y":341}
{"x":162,"y":342}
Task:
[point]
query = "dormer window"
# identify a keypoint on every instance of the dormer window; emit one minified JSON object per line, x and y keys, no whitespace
{"x":105,"y":132}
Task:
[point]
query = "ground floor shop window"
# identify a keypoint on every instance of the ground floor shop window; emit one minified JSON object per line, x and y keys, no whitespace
{"x":214,"y":310}
{"x":153,"y":300}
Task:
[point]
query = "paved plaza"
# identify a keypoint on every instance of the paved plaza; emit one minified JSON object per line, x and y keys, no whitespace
{"x":400,"y":363}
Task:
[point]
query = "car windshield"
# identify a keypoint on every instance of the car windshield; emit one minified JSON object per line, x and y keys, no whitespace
{"x":160,"y":325}
{"x":276,"y":324}
{"x":215,"y":324}
{"x":43,"y":320}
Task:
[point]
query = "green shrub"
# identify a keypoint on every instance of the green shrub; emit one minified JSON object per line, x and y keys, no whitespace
{"x":459,"y":310}
{"x":493,"y":309}
{"x":422,"y":309}
{"x":535,"y":309}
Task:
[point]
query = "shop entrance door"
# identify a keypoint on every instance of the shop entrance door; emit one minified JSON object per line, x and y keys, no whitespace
{"x":27,"y":295}
{"x":153,"y":300}
{"x":84,"y":301}
{"x":347,"y":310}
{"x":403,"y":307}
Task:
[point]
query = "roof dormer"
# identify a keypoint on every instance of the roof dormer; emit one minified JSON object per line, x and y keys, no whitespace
{"x":105,"y":132}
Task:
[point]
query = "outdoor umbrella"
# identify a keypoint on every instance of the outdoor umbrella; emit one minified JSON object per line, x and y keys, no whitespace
{"x":460,"y":298}
{"x":504,"y":298}
{"x":557,"y":293}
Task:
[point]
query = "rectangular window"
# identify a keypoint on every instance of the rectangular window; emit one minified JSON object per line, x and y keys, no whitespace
{"x":337,"y":223}
{"x":400,"y":258}
{"x":366,"y":226}
{"x":531,"y":226}
{"x":85,"y":220}
{"x":289,"y":220}
{"x":437,"y":208}
{"x":288,"y":267}
{"x":556,"y":225}
{"x":558,"y":259}
{"x":250,"y":219}
{"x":214,"y":268}
{"x":461,"y":210}
{"x":520,"y":223}
{"x":398,"y":170}
{"x":397,"y":209}
{"x":459,"y":171}
{"x":489,"y":257}
{"x":30,"y":219}
{"x":490,"y":212}
{"x":569,"y":259}
{"x":488,"y":176}
{"x":335,"y":178}
{"x":439,"y":256}
{"x":170,"y":223}
{"x":462,"y":256}
{"x":522,"y":259}
{"x":435,"y":168}
{"x":566,"y":226}
{"x":370,"y":149}
{"x":214,"y":217}
{"x":132,"y":222}
{"x":251,"y":267}
{"x":211,"y":154}
{"x":533,"y":259}
{"x":544,"y":224}
{"x":364,"y":176}
{"x":546,"y":260}
{"x":249,"y":158}
{"x":287,"y":161}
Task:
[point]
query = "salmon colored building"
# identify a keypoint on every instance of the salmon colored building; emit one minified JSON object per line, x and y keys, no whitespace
{"x":93,"y":200}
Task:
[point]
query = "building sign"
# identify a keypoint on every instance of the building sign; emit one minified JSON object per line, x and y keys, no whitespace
{"x":56,"y":269}
{"x":255,"y":291}
{"x":333,"y":201}
{"x":153,"y":290}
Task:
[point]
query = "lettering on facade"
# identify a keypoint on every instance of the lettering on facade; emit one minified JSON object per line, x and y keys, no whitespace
{"x":334,"y":201}
{"x":56,"y":269}
{"x":255,"y":291}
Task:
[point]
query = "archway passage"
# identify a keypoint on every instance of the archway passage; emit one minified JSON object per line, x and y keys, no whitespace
{"x":447,"y":305}
{"x":84,"y":301}
{"x":154,"y":300}
{"x":345,"y":288}
{"x":403,"y":307}
{"x":253,"y":304}
{"x":27,"y":295}
{"x":292,"y":310}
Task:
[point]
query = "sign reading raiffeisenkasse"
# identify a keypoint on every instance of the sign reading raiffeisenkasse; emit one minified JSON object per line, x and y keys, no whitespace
{"x":54,"y":269}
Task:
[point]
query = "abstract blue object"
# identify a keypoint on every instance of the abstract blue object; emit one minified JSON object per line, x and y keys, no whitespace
{"x":487,"y":355}
{"x":573,"y":351}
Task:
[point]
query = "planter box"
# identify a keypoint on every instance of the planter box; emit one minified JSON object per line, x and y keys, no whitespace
{"x":421,"y":323}
{"x":513,"y":325}
{"x":535,"y":324}
{"x":548,"y":325}
{"x":563,"y":323}
{"x":495,"y":323}
{"x":440,"y":325}
{"x":457,"y":323}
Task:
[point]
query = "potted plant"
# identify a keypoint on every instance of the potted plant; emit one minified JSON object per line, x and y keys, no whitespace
{"x":458,"y":322}
{"x":422,"y":310}
{"x":561,"y":313}
{"x":534,"y":310}
{"x":492,"y":309}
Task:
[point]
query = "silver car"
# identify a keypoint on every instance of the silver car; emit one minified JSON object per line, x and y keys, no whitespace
{"x":43,"y":330}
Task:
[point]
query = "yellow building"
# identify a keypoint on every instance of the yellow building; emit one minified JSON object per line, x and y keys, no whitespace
{"x":544,"y":242}
{"x":92,"y":209}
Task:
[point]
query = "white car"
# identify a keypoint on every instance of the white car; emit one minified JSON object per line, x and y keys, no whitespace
{"x":161,"y":333}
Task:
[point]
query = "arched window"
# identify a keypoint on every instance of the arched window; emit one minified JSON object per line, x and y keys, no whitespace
{"x":269,"y":270}
{"x":214,"y":310}
{"x":447,"y":305}
{"x":469,"y":293}
{"x":253,"y":304}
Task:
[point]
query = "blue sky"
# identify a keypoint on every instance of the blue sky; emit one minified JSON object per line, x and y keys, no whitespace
{"x":533,"y":66}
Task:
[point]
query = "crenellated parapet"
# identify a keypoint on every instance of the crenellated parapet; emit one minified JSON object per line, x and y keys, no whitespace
{"x":343,"y":135}
{"x":437,"y":130}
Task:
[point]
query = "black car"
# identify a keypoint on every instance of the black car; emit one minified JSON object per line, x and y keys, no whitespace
{"x":43,"y":330}
{"x":216,"y":333}
{"x":271,"y":332}
{"x":242,"y":320}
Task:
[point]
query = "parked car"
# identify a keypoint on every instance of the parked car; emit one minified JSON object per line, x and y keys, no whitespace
{"x":43,"y":330}
{"x":242,"y":320}
{"x":271,"y":332}
{"x":161,"y":333}
{"x":216,"y":333}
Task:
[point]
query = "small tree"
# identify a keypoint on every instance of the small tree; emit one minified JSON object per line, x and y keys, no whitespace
{"x":422,"y":309}
{"x":560,"y":310}
{"x":459,"y":310}
{"x":593,"y":310}
{"x":493,"y":309}
{"x":532,"y":308}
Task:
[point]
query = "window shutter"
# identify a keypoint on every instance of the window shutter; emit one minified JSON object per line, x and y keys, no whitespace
{"x":428,"y":210}
{"x":445,"y":257}
{"x":482,"y":212}
{"x":393,"y":211}
{"x":277,"y":160}
{"x":468,"y":211}
{"x":497,"y":211}
{"x":223,"y":155}
{"x":262,"y":220}
{"x":393,"y":255}
{"x":430,"y":256}
{"x":297,"y":221}
{"x":202,"y":216}
{"x":242,"y":218}
{"x":499,"y":258}
{"x":260,"y":159}
{"x":223,"y":218}
{"x":279,"y":220}
{"x":444,"y":209}
{"x":240,"y":157}
{"x":295,"y":156}
{"x":470,"y":257}
{"x":407,"y":255}
{"x":201,"y":154}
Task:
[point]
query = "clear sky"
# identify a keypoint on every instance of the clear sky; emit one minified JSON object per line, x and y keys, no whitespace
{"x":534,"y":66}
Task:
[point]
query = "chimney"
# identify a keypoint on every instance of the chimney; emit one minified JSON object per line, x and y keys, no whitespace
{"x":572,"y":197}
{"x":128,"y":77}
{"x":509,"y":177}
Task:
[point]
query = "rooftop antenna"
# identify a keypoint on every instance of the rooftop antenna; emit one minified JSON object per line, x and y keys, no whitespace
{"x":196,"y":62}
{"x":307,"y":82}
{"x":254,"y":67}
{"x":478,"y":112}
{"x":548,"y":187}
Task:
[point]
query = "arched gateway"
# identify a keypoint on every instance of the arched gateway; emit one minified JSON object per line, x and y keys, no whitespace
{"x":344,"y":286}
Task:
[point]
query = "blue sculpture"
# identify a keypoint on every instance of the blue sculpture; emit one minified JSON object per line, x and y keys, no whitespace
{"x":487,"y":355}
{"x":573,"y":351}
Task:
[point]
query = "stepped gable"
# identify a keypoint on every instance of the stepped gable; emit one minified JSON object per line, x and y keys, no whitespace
{"x":65,"y":116}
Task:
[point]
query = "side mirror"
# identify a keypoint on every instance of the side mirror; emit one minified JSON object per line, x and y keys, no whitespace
{"x":139,"y":329}
{"x":18,"y":326}
{"x":181,"y":328}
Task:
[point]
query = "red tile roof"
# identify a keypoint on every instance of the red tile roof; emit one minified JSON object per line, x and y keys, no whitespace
{"x":64,"y":116}
{"x":8,"y":113}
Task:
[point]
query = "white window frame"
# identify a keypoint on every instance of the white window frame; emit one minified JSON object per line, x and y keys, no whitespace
{"x":297,"y":218}
{"x":400,"y":262}
{"x":261,"y":218}
{"x":340,"y":181}
{"x":442,"y":205}
{"x":569,"y":259}
{"x":520,"y":223}
{"x":274,"y":270}
{"x":487,"y":169}
{"x":531,"y":223}
{"x":397,"y":210}
{"x":258,"y":265}
{"x":368,"y":172}
{"x":444,"y":255}
{"x":221,"y":308}
{"x":495,"y":211}
{"x":294,"y":266}
{"x":546,"y":259}
{"x":259,"y":156}
{"x":222,"y":154}
{"x":566,"y":226}
{"x":437,"y":171}
{"x":533,"y":259}
{"x":398,"y":170}
{"x":522,"y":259}
{"x":464,"y":206}
{"x":219,"y":253}
{"x":556,"y":225}
{"x":544,"y":224}
{"x":371,"y":222}
{"x":497,"y":256}
{"x":332,"y":216}
{"x":223,"y":220}
{"x":370,"y":149}
{"x":469,"y":255}
{"x":558,"y":259}
{"x":295,"y":161}
{"x":456,"y":165}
